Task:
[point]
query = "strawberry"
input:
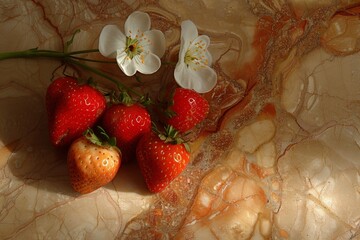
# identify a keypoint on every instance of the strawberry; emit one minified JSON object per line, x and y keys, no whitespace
{"x":187,"y":109}
{"x":92,"y":163}
{"x":127,"y":123}
{"x":56,"y":89}
{"x":71,"y":108}
{"x":161,"y":159}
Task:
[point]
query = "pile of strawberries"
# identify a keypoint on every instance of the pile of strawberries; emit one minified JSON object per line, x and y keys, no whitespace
{"x":101,"y":135}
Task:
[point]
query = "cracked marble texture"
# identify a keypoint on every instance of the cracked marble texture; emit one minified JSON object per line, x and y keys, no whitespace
{"x":276,"y":158}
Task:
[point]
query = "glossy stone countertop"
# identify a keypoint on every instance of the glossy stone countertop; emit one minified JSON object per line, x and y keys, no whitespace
{"x":277,"y":158}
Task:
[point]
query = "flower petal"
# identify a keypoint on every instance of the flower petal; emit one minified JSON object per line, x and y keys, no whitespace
{"x":202,"y":80}
{"x":193,"y":69}
{"x":126,"y":64}
{"x":147,"y":63}
{"x":137,"y":23}
{"x":200,"y":45}
{"x":154,"y":41}
{"x":111,"y":39}
{"x":188,"y":33}
{"x":181,"y":75}
{"x":208,"y":57}
{"x":202,"y":40}
{"x":188,"y":30}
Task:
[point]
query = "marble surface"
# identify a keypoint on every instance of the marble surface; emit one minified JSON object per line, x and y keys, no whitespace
{"x":277,"y":157}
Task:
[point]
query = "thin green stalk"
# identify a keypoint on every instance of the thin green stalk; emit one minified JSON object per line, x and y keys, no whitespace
{"x":44,"y":51}
{"x":68,"y":57}
{"x":102,"y":74}
{"x":31,"y":53}
{"x":92,"y":60}
{"x":82,"y":52}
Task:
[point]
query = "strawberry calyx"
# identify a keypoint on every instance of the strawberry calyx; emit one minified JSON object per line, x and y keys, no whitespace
{"x":124,"y":98}
{"x":171,"y":136}
{"x":145,"y":100}
{"x":170,"y":113}
{"x":104,"y":140}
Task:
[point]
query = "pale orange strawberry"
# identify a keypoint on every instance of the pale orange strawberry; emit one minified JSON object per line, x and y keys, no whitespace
{"x":91,"y":163}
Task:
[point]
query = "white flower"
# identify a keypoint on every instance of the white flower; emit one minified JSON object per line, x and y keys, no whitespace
{"x":139,"y":49}
{"x":193,"y":69}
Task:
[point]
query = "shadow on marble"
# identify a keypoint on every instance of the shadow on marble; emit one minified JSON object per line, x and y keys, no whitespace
{"x":38,"y":165}
{"x":39,"y":169}
{"x":129,"y":180}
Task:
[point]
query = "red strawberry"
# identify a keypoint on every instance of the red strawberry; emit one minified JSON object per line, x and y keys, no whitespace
{"x":72,"y":109}
{"x":188,"y":109}
{"x":127,"y":123}
{"x":55,"y":90}
{"x":160,"y":161}
{"x":92,"y":164}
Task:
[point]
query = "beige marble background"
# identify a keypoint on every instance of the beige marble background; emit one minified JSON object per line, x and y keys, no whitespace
{"x":277,"y":158}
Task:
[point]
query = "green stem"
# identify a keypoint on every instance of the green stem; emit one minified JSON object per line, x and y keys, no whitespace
{"x":92,"y":60}
{"x":102,"y":74}
{"x":68,"y":57}
{"x":31,"y":53}
{"x":83,"y":51}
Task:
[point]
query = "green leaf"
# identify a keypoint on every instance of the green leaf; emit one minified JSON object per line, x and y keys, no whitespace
{"x":91,"y":136}
{"x":162,"y":137}
{"x":170,"y":113}
{"x":146,"y":100}
{"x":187,"y":147}
{"x":155,"y":128}
{"x":125,"y":98}
{"x":112,"y":141}
{"x":101,"y":138}
{"x":103,"y":133}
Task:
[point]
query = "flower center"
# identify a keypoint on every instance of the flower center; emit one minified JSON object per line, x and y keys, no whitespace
{"x":189,"y":57}
{"x":195,"y":56}
{"x":132,"y":47}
